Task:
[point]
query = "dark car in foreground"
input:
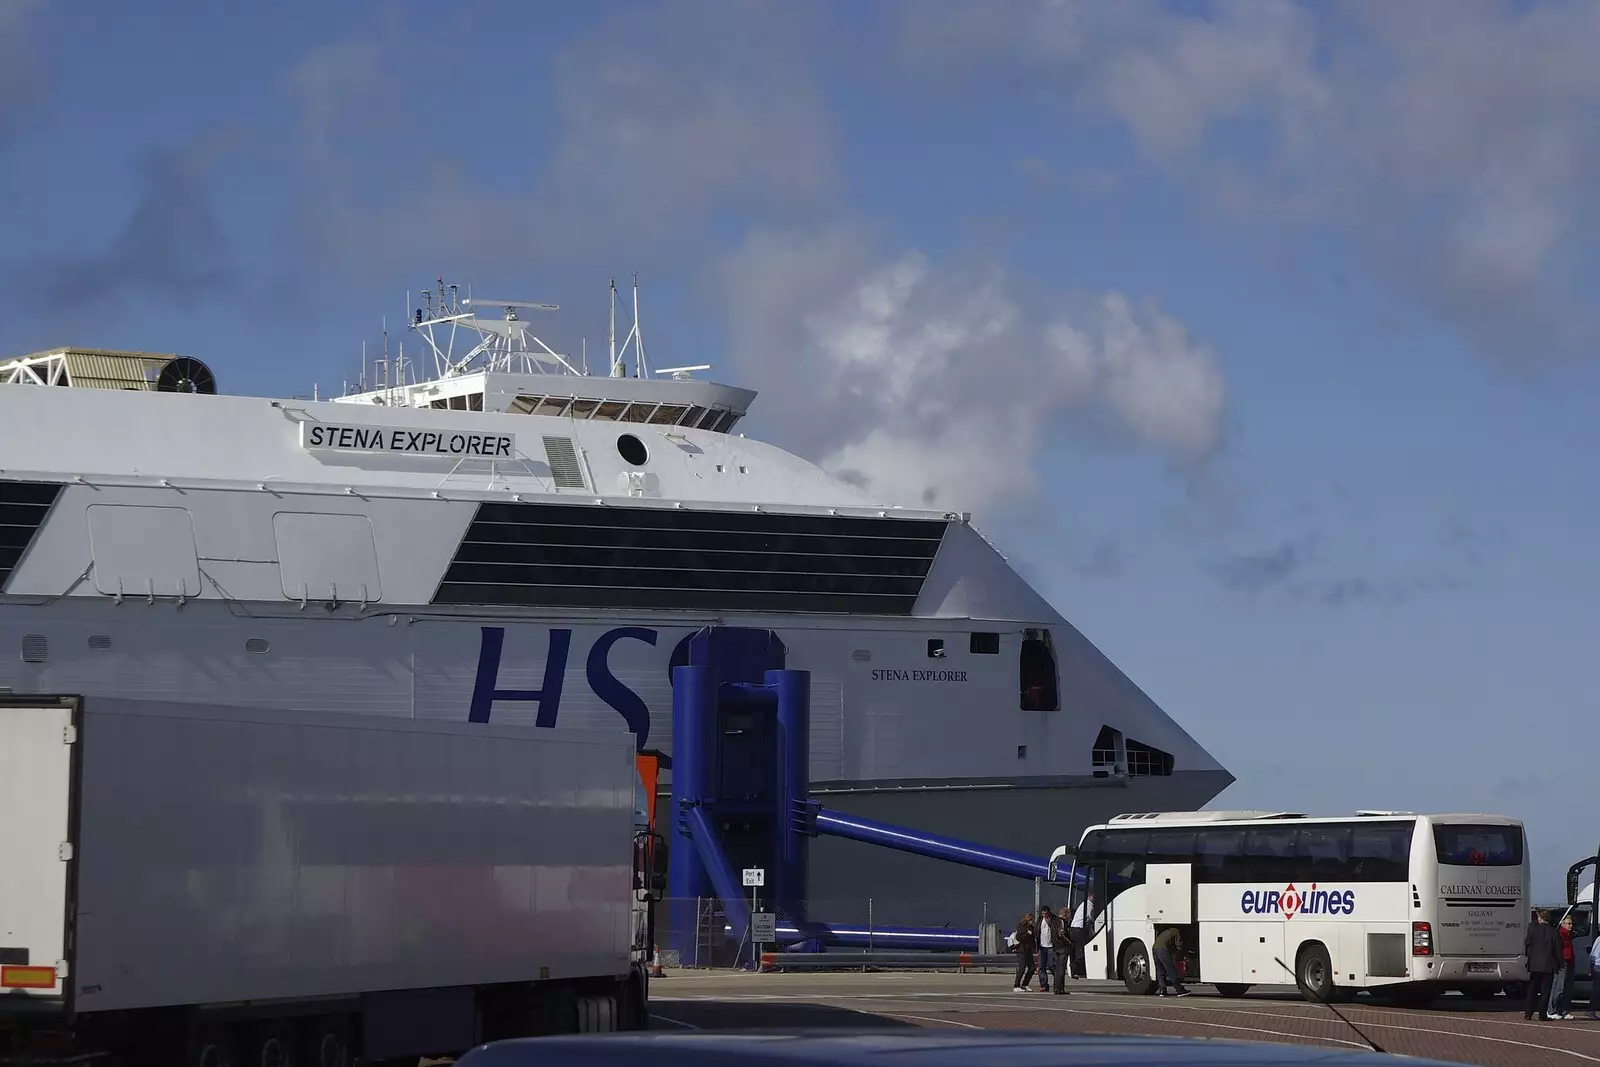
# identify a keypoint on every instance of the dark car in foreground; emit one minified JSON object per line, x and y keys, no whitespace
{"x":912,"y":1048}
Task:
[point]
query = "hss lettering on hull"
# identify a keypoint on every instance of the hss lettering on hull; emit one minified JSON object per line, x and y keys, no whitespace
{"x":602,"y":682}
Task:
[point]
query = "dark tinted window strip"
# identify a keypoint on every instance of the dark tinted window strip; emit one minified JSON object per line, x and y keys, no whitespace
{"x":715,"y":559}
{"x":42,"y":494}
{"x":679,"y":519}
{"x":23,"y":506}
{"x":766,"y":541}
{"x":14,"y":514}
{"x":680,"y":599}
{"x":680,"y":578}
{"x":649,"y":558}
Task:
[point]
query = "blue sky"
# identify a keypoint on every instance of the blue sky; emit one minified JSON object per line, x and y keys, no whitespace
{"x":1257,"y":334}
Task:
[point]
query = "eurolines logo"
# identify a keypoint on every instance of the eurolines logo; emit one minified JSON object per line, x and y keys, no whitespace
{"x":1290,"y":901}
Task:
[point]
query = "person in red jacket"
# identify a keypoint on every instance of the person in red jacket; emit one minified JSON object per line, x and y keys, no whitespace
{"x":1561,"y":988}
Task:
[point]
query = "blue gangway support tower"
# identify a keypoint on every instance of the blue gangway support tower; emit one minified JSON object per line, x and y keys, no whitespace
{"x":741,"y":737}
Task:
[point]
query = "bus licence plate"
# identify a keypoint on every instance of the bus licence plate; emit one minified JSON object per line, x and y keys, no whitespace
{"x":1482,"y":968}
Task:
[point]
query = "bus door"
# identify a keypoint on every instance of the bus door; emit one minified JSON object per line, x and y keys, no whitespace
{"x":1094,"y":878}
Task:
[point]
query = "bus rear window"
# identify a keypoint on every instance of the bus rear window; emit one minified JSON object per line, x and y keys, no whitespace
{"x":1478,"y":845}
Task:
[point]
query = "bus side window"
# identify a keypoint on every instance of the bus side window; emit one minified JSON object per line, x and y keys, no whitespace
{"x":1125,"y":860}
{"x":1269,"y":854}
{"x":1220,"y":854}
{"x":1325,"y":852}
{"x":1580,"y":922}
{"x":1381,"y":852}
{"x":1171,"y":847}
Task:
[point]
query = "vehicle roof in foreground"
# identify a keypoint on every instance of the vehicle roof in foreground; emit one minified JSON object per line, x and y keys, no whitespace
{"x":911,"y":1048}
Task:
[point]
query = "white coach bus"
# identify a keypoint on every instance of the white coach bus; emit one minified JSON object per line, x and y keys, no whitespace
{"x":1413,"y":905}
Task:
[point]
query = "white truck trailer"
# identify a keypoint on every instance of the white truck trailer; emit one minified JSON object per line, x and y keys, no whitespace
{"x":217,"y":885}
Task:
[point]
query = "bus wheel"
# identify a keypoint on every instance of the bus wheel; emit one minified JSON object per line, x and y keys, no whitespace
{"x":1136,"y":969}
{"x":1232,"y":989}
{"x":1314,"y":975}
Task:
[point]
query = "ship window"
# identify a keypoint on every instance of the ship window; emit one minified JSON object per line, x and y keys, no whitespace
{"x":23,"y":506}
{"x":441,"y":404}
{"x":709,"y":420}
{"x":725,"y":423}
{"x":523,"y":405}
{"x":632,"y":450}
{"x":1103,"y":758}
{"x":1144,"y":761}
{"x":936,"y":648}
{"x":553,"y":405}
{"x":574,"y":555}
{"x":984,"y":644}
{"x":694,"y":417}
{"x":638,"y":413}
{"x":610,"y":410}
{"x":257,"y":646}
{"x":668,"y":414}
{"x":1039,"y":685}
{"x":584,"y":409}
{"x":99,"y":643}
{"x":475,"y":402}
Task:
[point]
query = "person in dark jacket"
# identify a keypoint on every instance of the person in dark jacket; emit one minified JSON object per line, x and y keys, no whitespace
{"x":1024,"y":947}
{"x":1168,"y":944}
{"x":1060,"y":948}
{"x":1542,"y":947}
{"x":1048,"y":930}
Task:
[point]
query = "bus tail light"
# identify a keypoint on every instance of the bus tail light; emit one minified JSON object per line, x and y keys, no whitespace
{"x":1421,"y":939}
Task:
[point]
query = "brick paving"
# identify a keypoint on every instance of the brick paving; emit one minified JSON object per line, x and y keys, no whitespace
{"x":1492,"y":1033}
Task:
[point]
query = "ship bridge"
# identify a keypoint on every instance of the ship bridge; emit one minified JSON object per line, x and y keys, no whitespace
{"x":503,"y":366}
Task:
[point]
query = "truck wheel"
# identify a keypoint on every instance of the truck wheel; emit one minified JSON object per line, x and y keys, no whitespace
{"x":635,"y":1004}
{"x":270,"y":1045}
{"x":327,"y":1043}
{"x":597,"y":1015}
{"x":212,"y":1046}
{"x":1136,"y":969}
{"x":1314,"y":975}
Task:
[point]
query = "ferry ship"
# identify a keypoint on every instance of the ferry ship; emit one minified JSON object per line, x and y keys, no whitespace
{"x":513,"y":536}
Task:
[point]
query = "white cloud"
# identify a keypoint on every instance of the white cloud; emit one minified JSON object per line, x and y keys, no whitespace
{"x":663,"y":117}
{"x":329,"y":79}
{"x":1454,"y":140}
{"x":939,"y":383}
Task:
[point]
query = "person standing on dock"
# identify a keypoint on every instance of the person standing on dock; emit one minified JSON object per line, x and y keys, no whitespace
{"x":1541,"y":945}
{"x":1022,"y":943}
{"x":1561,"y":986}
{"x":1050,"y":941}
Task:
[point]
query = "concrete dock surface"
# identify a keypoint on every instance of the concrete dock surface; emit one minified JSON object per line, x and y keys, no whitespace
{"x":1453,"y":1028}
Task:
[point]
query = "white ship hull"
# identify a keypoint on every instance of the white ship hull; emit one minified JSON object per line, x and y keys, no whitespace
{"x":939,"y":745}
{"x":505,"y":544}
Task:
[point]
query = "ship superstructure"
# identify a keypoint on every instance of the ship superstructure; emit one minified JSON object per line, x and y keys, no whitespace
{"x":513,"y":537}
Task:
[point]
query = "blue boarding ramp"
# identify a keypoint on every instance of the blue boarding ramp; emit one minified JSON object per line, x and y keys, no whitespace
{"x":740,"y":798}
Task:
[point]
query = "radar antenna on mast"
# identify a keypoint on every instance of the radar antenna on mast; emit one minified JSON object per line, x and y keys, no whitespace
{"x":504,"y":344}
{"x":641,"y":368}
